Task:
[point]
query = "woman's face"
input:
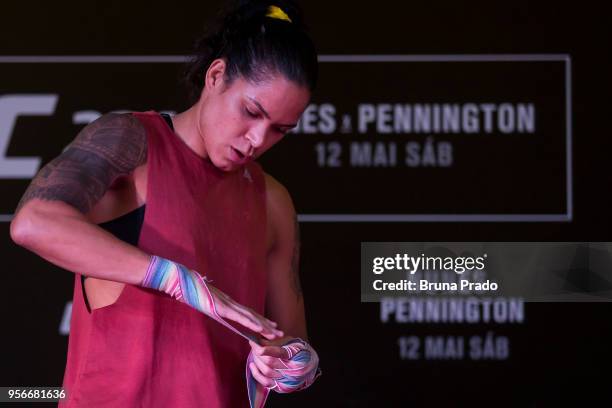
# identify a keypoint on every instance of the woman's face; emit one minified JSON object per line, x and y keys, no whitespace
{"x":240,"y":121}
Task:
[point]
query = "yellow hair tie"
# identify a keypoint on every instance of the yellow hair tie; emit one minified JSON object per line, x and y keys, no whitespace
{"x":276,"y":12}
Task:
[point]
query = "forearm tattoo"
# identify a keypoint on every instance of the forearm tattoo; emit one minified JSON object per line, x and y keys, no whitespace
{"x":295,"y":259}
{"x":111,"y":146}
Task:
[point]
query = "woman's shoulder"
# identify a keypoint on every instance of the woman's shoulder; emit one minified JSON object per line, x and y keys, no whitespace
{"x":118,"y":135}
{"x":276,"y":192}
{"x":280,"y":206}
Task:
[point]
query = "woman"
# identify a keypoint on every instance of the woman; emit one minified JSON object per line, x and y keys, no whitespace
{"x":169,"y":225}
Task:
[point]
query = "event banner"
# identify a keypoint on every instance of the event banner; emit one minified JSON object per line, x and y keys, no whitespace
{"x":385,"y":138}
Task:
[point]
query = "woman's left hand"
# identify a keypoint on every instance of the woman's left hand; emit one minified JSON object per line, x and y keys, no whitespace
{"x":267,"y":359}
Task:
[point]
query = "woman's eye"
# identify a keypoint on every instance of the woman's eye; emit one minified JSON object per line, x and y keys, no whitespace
{"x":251,"y":114}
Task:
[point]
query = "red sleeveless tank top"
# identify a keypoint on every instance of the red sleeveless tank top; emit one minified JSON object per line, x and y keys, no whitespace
{"x":147,"y":349}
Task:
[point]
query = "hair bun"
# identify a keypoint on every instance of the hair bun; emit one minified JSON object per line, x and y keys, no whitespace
{"x":258,"y":10}
{"x":256,"y":38}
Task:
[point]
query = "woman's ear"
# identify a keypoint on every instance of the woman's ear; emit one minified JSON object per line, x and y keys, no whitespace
{"x":214,"y":75}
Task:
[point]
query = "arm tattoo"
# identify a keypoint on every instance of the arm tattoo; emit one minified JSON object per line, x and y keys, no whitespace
{"x":111,"y":146}
{"x":295,"y":259}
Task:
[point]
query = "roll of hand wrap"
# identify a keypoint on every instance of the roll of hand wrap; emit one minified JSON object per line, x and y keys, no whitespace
{"x":187,"y":286}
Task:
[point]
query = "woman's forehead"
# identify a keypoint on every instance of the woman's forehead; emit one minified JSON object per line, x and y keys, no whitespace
{"x":276,"y":93}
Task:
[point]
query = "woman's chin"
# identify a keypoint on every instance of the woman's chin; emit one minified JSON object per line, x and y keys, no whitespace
{"x":226,"y":165}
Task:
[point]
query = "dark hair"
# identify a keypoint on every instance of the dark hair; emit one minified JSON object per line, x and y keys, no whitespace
{"x":255,"y":46}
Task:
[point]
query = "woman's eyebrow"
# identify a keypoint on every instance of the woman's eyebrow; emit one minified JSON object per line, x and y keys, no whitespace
{"x":267,"y":115}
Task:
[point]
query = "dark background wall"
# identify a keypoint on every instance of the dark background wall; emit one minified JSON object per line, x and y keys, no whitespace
{"x":559,"y":353}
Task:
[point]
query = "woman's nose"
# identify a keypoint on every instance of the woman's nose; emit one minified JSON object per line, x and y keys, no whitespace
{"x":256,"y":137}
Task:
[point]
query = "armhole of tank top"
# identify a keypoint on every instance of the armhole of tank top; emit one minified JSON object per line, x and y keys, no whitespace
{"x":168,"y":120}
{"x":85,"y":298}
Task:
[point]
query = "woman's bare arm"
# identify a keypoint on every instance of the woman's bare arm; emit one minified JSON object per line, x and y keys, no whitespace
{"x":284,"y":300}
{"x":50,"y":219}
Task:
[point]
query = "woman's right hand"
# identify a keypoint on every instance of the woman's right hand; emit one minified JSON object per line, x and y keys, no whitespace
{"x":188,"y":286}
{"x":227,"y":308}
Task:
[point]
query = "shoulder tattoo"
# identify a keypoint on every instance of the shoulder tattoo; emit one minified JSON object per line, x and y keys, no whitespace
{"x":111,"y":146}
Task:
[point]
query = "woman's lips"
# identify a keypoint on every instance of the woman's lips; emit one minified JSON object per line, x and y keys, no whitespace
{"x":238,"y":157}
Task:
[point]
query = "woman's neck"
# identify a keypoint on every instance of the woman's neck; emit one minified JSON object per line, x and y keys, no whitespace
{"x":187,"y":127}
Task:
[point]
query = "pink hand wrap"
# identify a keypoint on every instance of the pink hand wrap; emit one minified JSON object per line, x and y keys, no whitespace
{"x":187,"y":286}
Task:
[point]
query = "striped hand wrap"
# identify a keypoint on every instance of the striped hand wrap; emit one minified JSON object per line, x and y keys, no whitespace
{"x":187,"y":286}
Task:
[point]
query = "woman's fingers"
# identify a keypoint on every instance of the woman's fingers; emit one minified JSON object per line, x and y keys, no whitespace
{"x":272,"y":334}
{"x":263,"y":380}
{"x":263,"y":325}
{"x":232,"y":310}
{"x":243,"y":320}
{"x":267,"y":327}
{"x":269,"y":352}
{"x":266,"y":368}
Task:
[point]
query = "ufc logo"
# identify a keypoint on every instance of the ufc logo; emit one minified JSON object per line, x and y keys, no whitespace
{"x":11,"y":107}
